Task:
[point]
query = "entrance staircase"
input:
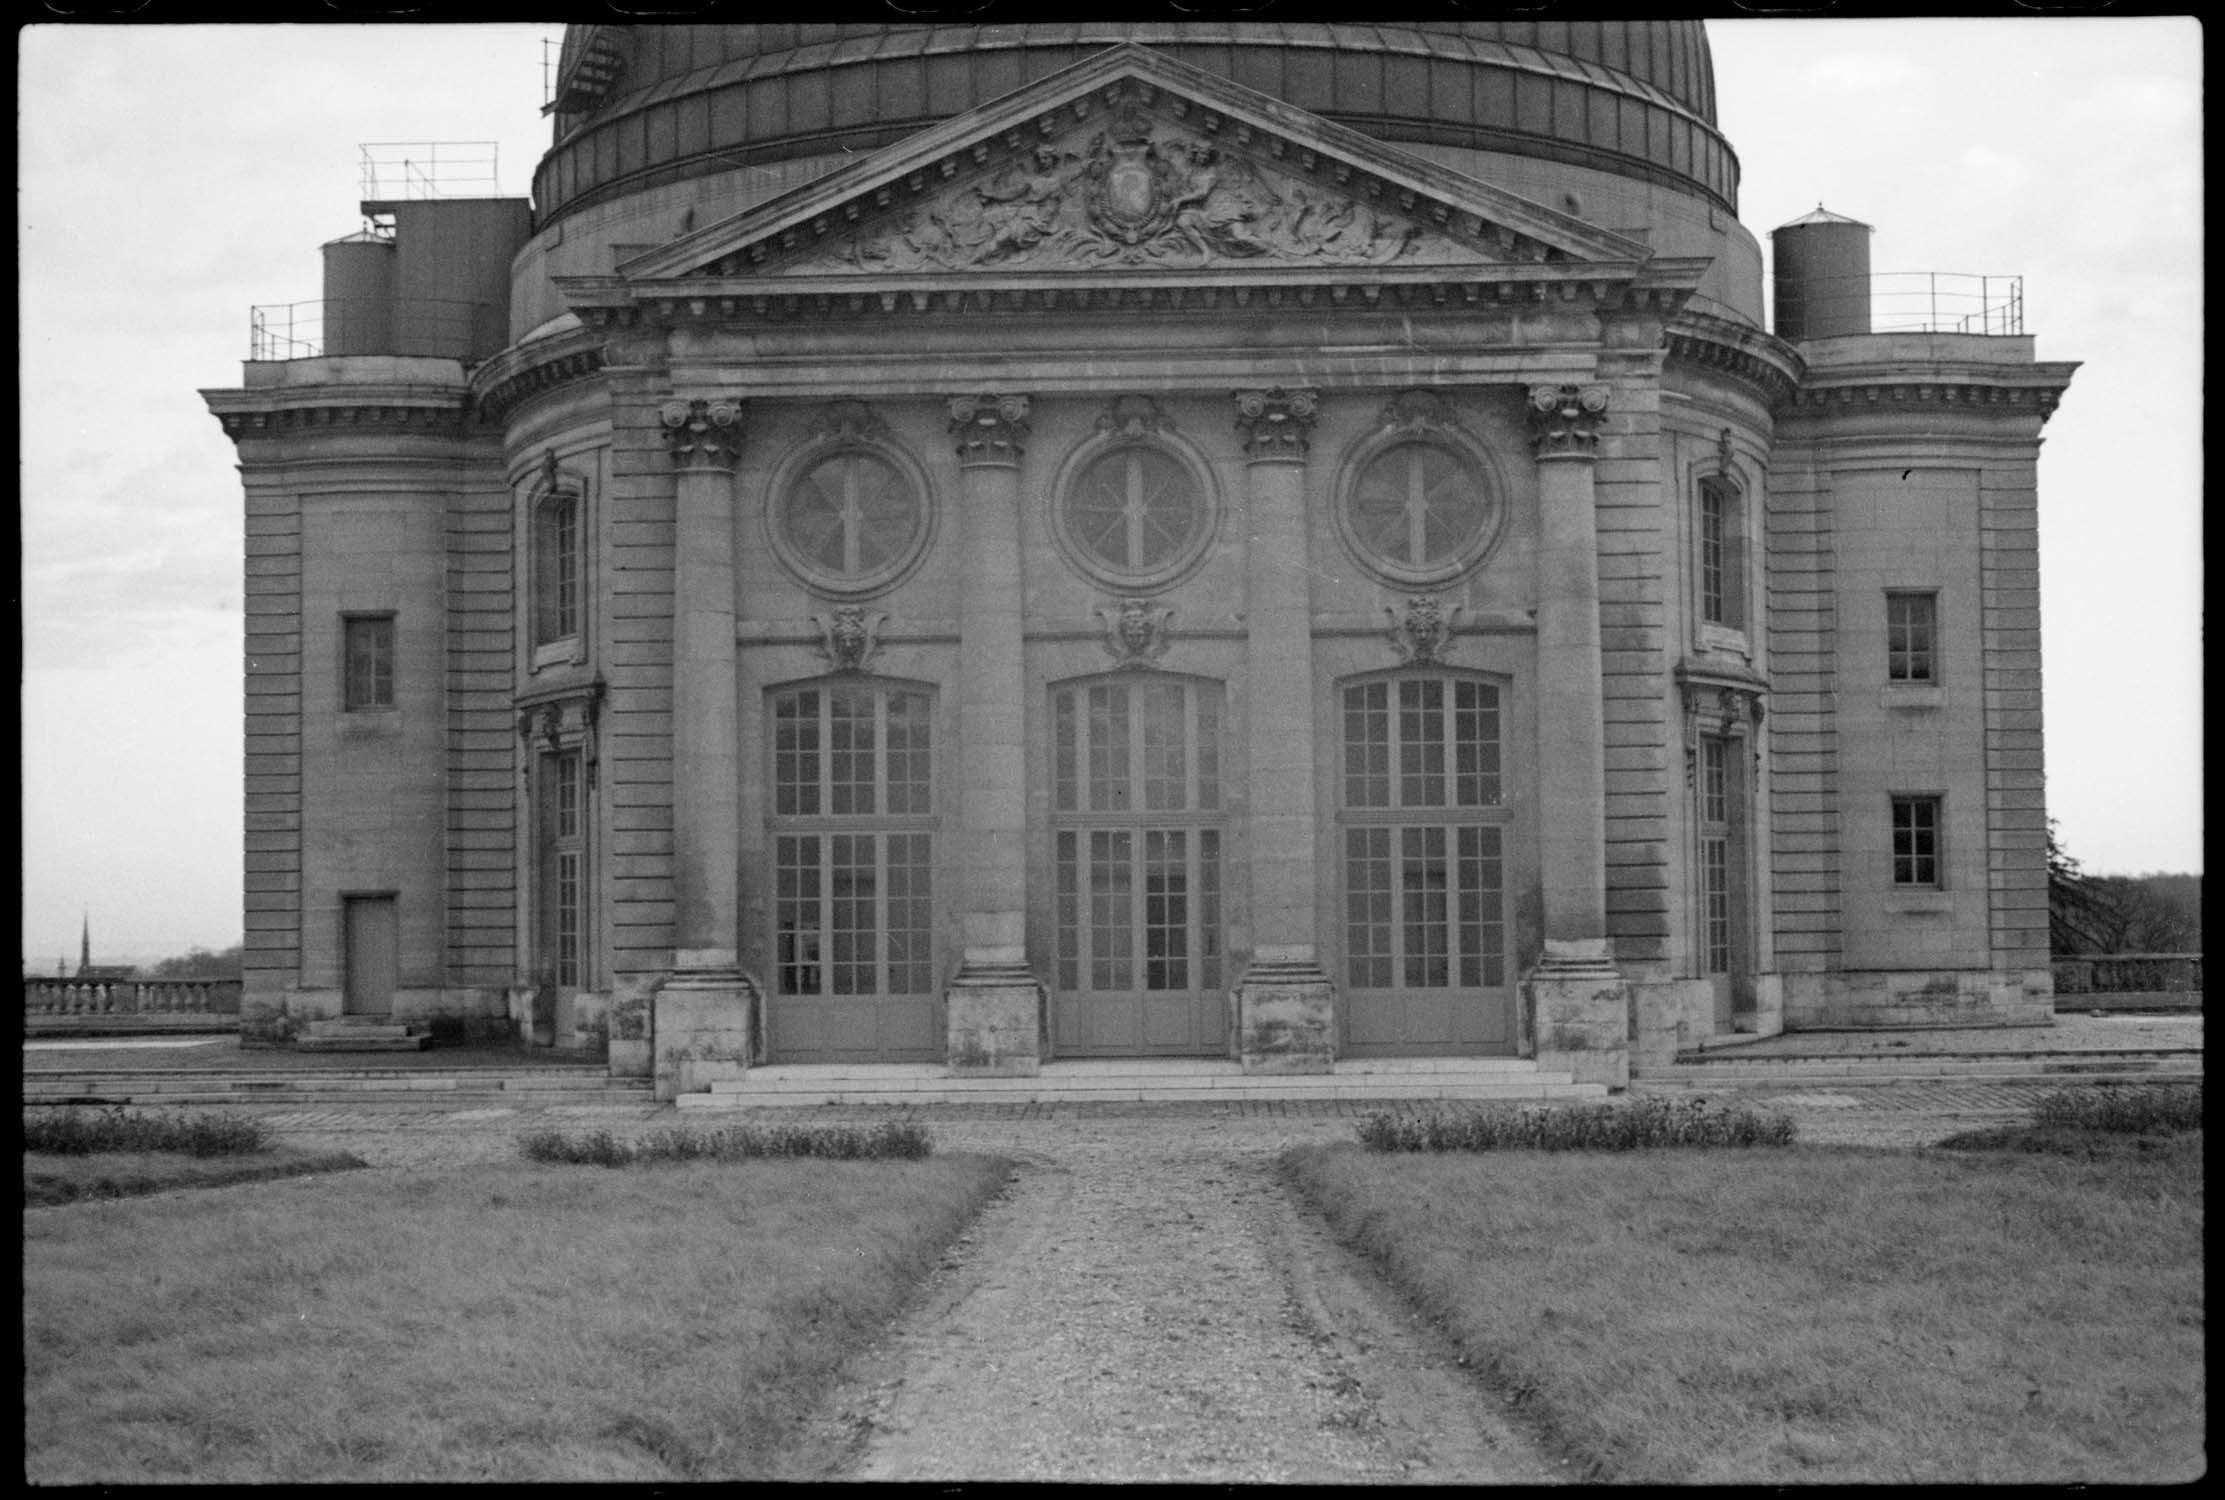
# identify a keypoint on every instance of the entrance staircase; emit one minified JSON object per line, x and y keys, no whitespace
{"x":1143,"y":1081}
{"x":361,"y":1034}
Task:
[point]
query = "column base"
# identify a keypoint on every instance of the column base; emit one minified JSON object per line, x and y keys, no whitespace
{"x":994,"y":1014}
{"x":1578,"y":1008}
{"x":703,"y":1025}
{"x":1286,"y":1017}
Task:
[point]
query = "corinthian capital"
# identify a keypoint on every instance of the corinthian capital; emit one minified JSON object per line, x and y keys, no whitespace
{"x":1565,"y":419}
{"x":1276,"y":423}
{"x":703,"y":434}
{"x":989,"y":429}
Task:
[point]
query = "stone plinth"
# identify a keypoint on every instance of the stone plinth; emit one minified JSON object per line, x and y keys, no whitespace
{"x":705,"y":1025}
{"x":1579,"y":1007}
{"x":1285,"y":1017}
{"x":995,"y":1018}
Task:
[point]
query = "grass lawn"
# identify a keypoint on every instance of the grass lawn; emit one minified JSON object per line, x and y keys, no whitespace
{"x":1809,"y":1315}
{"x":510,"y":1322}
{"x":49,"y":1178}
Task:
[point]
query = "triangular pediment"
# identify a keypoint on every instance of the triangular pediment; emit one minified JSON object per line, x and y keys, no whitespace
{"x":1129,"y":161}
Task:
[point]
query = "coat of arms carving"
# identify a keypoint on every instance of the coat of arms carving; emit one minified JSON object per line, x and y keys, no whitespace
{"x":1139,"y":192}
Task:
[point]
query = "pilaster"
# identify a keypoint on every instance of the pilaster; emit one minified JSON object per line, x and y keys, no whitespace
{"x":994,"y":1004}
{"x":1577,"y":1000}
{"x":705,"y":1016}
{"x":1285,"y":1002}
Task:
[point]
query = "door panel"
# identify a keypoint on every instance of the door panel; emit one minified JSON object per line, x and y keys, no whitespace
{"x":1424,"y":867}
{"x":372,"y":939}
{"x":1137,"y":857}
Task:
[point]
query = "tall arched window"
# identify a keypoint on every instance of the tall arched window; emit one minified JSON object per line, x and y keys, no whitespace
{"x":1424,"y":863}
{"x":853,"y":855}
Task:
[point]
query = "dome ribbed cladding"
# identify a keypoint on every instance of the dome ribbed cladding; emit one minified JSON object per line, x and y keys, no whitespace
{"x":640,"y":106}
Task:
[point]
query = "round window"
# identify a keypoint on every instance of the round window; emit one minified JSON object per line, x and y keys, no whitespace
{"x":1419,"y":510}
{"x":851,"y":519}
{"x":1137,"y":513}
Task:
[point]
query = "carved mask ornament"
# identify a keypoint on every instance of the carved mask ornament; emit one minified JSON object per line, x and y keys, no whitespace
{"x":1136,"y":632}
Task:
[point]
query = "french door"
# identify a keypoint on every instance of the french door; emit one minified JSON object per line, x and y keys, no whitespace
{"x":1137,"y":852}
{"x":853,"y":860}
{"x":1424,"y":865}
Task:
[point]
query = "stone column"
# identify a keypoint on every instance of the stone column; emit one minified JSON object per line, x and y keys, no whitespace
{"x":1285,"y":1003}
{"x":994,"y":1004}
{"x":705,"y":1015}
{"x":1578,"y":1002}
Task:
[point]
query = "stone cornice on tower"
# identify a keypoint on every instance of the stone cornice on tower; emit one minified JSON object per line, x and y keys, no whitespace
{"x":356,"y":394}
{"x":1997,"y":375}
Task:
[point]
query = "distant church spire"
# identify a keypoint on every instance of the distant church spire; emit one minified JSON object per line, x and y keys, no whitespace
{"x":85,"y":946}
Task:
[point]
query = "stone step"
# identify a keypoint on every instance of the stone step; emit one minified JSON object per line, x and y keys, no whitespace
{"x":1760,"y":1074}
{"x":188,"y":1088}
{"x":400,"y":1041}
{"x":1079,"y":1083}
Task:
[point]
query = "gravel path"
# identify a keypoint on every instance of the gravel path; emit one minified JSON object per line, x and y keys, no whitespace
{"x":1146,"y":1304}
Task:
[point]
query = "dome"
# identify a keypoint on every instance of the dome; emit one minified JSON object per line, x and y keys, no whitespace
{"x":639,"y":106}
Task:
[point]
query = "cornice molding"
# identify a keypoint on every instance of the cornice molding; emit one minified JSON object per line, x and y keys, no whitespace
{"x":548,"y":373}
{"x":612,"y":306}
{"x":1761,"y":361}
{"x":449,"y":420}
{"x":2008,"y":395}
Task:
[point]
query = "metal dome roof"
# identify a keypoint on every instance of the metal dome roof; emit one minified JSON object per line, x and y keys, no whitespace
{"x":636,"y":106}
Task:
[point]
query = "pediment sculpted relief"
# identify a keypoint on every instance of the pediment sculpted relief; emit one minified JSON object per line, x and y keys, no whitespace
{"x":1139,"y":191}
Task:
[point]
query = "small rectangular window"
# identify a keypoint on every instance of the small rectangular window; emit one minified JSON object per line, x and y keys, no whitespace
{"x":1911,"y":637}
{"x":370,"y":662}
{"x":1916,"y":843}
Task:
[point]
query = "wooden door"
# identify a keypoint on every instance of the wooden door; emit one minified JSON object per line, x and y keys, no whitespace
{"x":372,"y":941}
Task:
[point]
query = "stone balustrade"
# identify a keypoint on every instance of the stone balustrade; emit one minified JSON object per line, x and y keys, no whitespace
{"x":2091,"y":980}
{"x":50,"y":999}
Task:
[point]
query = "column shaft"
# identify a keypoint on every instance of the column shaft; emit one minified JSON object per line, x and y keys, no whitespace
{"x":706,"y":785}
{"x":1278,"y":670}
{"x":1571,"y":755}
{"x":992,"y":714}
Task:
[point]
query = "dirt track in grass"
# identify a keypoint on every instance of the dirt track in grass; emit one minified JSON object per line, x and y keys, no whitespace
{"x":1145,"y":1303}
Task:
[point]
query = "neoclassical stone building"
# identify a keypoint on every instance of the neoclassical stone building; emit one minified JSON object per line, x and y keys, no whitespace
{"x":986,"y":546}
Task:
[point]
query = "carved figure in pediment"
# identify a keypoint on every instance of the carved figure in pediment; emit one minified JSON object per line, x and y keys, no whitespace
{"x":1138,"y":194}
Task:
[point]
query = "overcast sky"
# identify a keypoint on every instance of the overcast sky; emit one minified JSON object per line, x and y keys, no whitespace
{"x":171,"y":177}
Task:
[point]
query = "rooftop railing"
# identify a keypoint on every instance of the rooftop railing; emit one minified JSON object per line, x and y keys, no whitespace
{"x":1917,"y":301}
{"x":438,"y":327}
{"x":411,"y":170}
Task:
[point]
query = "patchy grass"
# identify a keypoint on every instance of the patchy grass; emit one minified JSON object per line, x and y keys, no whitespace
{"x":2137,"y":1110}
{"x":86,"y":1132}
{"x":49,"y":1180}
{"x":1810,"y":1315}
{"x":1636,"y":1125}
{"x":511,"y":1323}
{"x":2103,"y":1121}
{"x":889,"y":1140}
